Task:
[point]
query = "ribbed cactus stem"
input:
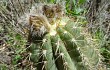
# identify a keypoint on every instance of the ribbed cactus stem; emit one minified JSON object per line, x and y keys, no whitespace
{"x":48,"y":55}
{"x":63,"y":53}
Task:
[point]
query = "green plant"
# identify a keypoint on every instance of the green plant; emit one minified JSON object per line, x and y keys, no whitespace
{"x":73,"y":7}
{"x":68,"y":49}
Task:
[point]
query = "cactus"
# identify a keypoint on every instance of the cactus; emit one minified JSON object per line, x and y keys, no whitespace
{"x":65,"y":47}
{"x":68,"y":49}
